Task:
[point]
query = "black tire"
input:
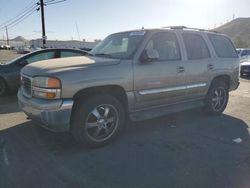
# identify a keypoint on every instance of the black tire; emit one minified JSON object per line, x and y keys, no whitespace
{"x":91,"y":125}
{"x":3,"y":87}
{"x":217,"y":98}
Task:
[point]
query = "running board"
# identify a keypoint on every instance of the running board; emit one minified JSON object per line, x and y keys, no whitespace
{"x":164,"y":110}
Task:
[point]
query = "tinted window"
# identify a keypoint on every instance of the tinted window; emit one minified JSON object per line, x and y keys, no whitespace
{"x":223,"y":46}
{"x":166,"y":45}
{"x":40,"y":57}
{"x":195,"y":45}
{"x":70,"y":53}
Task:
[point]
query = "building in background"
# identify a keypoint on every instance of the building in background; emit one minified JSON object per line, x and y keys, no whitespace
{"x":20,"y":42}
{"x":14,"y":44}
{"x":38,"y":43}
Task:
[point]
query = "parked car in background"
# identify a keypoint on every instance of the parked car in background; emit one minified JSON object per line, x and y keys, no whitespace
{"x":244,"y":56}
{"x":243,"y":52}
{"x":245,"y":67}
{"x":23,"y":50}
{"x":5,"y":47}
{"x":138,"y":74}
{"x":10,"y":71}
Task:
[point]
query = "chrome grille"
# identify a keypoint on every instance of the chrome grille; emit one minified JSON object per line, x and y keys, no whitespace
{"x":26,"y":85}
{"x":244,"y":67}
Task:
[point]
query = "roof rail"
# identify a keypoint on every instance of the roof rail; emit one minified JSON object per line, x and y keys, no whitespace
{"x":176,"y":27}
{"x":184,"y":27}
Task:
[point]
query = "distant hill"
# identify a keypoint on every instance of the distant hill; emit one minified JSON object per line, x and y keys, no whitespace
{"x":19,"y":39}
{"x":238,"y":30}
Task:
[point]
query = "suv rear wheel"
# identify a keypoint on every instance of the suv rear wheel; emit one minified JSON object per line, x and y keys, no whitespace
{"x":97,"y":120}
{"x":217,"y":98}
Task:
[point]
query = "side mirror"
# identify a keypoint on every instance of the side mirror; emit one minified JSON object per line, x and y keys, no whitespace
{"x":149,"y":55}
{"x":23,"y":62}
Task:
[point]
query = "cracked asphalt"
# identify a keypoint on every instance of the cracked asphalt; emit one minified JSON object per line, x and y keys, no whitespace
{"x":188,"y":149}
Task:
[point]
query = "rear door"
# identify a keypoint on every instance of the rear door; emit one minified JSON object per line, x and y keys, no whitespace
{"x":198,"y":64}
{"x":162,"y":81}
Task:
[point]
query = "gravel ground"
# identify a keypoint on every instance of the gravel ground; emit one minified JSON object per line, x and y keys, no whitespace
{"x":188,"y":149}
{"x":7,"y":55}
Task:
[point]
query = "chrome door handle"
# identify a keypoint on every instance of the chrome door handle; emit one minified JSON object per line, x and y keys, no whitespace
{"x":180,"y":69}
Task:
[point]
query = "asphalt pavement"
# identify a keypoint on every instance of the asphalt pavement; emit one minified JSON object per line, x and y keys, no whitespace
{"x":188,"y":149}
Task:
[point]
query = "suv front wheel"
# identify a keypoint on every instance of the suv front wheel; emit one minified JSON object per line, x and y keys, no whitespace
{"x":217,"y":98}
{"x":97,"y":120}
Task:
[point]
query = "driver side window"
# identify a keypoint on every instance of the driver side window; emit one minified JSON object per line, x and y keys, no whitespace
{"x":166,"y":44}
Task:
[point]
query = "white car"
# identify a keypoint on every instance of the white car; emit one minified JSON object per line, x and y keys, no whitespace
{"x":243,"y":53}
{"x":244,"y":56}
{"x":245,"y":67}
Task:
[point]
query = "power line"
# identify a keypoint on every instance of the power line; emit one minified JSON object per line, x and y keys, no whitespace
{"x":24,"y":10}
{"x":51,"y":2}
{"x":21,"y":18}
{"x":48,"y":1}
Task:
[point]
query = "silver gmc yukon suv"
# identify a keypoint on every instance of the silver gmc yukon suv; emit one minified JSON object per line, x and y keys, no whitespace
{"x":138,"y":74}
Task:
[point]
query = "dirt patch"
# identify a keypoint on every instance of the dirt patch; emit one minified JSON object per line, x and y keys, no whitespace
{"x":7,"y":55}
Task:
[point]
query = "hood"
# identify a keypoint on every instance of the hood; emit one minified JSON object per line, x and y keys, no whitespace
{"x":54,"y":66}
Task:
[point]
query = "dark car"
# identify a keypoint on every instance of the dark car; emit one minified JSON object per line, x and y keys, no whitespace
{"x":10,"y":72}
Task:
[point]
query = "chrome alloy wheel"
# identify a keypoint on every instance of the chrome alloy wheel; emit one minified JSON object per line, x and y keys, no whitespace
{"x":219,"y":98}
{"x":102,"y":122}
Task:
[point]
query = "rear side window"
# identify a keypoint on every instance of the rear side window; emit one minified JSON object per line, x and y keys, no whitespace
{"x":223,"y":46}
{"x":196,"y":46}
{"x":70,"y":54}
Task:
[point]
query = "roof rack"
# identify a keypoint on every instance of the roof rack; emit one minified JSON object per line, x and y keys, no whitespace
{"x":184,"y":27}
{"x":175,"y":27}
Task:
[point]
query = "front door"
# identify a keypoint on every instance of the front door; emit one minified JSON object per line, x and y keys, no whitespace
{"x":161,"y":81}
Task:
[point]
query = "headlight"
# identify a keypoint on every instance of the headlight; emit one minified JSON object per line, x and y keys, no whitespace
{"x":46,"y":87}
{"x":46,"y":82}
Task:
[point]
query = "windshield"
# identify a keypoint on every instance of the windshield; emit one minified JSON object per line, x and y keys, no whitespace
{"x":119,"y":45}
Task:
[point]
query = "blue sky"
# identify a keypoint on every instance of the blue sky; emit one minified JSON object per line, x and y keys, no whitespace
{"x":98,"y":18}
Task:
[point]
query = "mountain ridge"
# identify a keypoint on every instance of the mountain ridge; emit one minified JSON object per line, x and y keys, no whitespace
{"x":238,"y":30}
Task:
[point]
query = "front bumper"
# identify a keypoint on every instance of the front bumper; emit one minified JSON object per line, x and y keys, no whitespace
{"x":51,"y":114}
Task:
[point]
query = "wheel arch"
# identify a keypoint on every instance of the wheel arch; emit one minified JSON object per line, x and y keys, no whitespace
{"x":114,"y":90}
{"x":225,"y":78}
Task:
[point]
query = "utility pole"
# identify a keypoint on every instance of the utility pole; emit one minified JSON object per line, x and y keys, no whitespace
{"x":7,"y":35}
{"x":78,"y":32}
{"x":43,"y":24}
